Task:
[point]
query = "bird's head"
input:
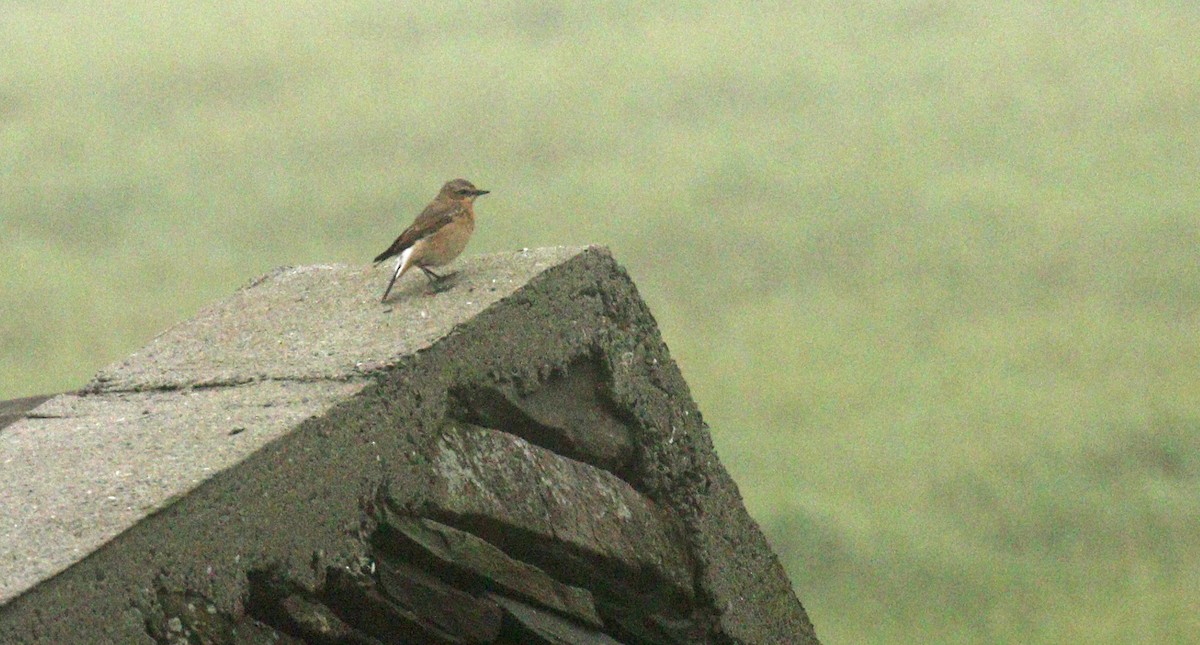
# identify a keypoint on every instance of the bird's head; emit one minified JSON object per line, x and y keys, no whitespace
{"x":460,"y":190}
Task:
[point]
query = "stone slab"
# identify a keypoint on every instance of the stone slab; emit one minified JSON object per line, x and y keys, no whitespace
{"x":464,"y":554}
{"x":532,"y":626}
{"x":566,"y":509}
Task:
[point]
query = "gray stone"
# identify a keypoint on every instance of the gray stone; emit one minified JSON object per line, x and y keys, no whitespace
{"x":465,"y":615}
{"x":314,"y":620}
{"x":359,"y":599}
{"x":465,"y":555}
{"x":532,"y":626}
{"x":262,"y":433}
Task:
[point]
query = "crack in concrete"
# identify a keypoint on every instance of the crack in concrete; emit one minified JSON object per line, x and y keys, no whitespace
{"x":97,"y":389}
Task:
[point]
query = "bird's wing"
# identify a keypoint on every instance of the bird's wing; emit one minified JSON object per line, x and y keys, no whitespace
{"x":434,"y":217}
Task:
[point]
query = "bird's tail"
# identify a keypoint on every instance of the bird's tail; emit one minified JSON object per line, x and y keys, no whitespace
{"x":397,"y":247}
{"x":402,"y":265}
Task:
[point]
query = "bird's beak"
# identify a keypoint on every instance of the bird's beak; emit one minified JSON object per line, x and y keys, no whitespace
{"x":478,"y":192}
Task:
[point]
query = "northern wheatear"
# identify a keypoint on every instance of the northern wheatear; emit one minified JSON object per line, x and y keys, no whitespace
{"x":438,"y":234}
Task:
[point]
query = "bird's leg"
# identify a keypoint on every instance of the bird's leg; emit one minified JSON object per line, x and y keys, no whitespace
{"x":433,"y":277}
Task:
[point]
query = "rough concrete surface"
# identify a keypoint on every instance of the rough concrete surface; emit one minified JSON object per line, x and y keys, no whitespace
{"x":248,"y":462}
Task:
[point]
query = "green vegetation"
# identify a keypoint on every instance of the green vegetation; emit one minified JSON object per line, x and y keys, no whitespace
{"x":930,"y":267}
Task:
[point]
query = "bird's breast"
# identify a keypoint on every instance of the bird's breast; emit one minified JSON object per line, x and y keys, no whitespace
{"x":448,"y":242}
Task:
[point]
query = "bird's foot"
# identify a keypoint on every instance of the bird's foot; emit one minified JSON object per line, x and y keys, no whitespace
{"x":443,"y":282}
{"x":441,"y":286}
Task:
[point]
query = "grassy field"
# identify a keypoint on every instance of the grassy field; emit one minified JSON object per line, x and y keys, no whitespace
{"x":930,"y":267}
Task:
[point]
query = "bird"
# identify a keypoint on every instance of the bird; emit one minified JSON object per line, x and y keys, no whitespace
{"x":438,"y":235}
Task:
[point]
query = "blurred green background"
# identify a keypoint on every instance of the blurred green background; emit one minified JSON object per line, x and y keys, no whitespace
{"x":930,"y":268}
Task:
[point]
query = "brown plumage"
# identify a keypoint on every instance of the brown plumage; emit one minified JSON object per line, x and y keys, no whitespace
{"x":438,"y":234}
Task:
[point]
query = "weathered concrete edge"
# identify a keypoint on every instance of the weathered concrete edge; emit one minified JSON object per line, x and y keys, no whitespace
{"x":296,"y":457}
